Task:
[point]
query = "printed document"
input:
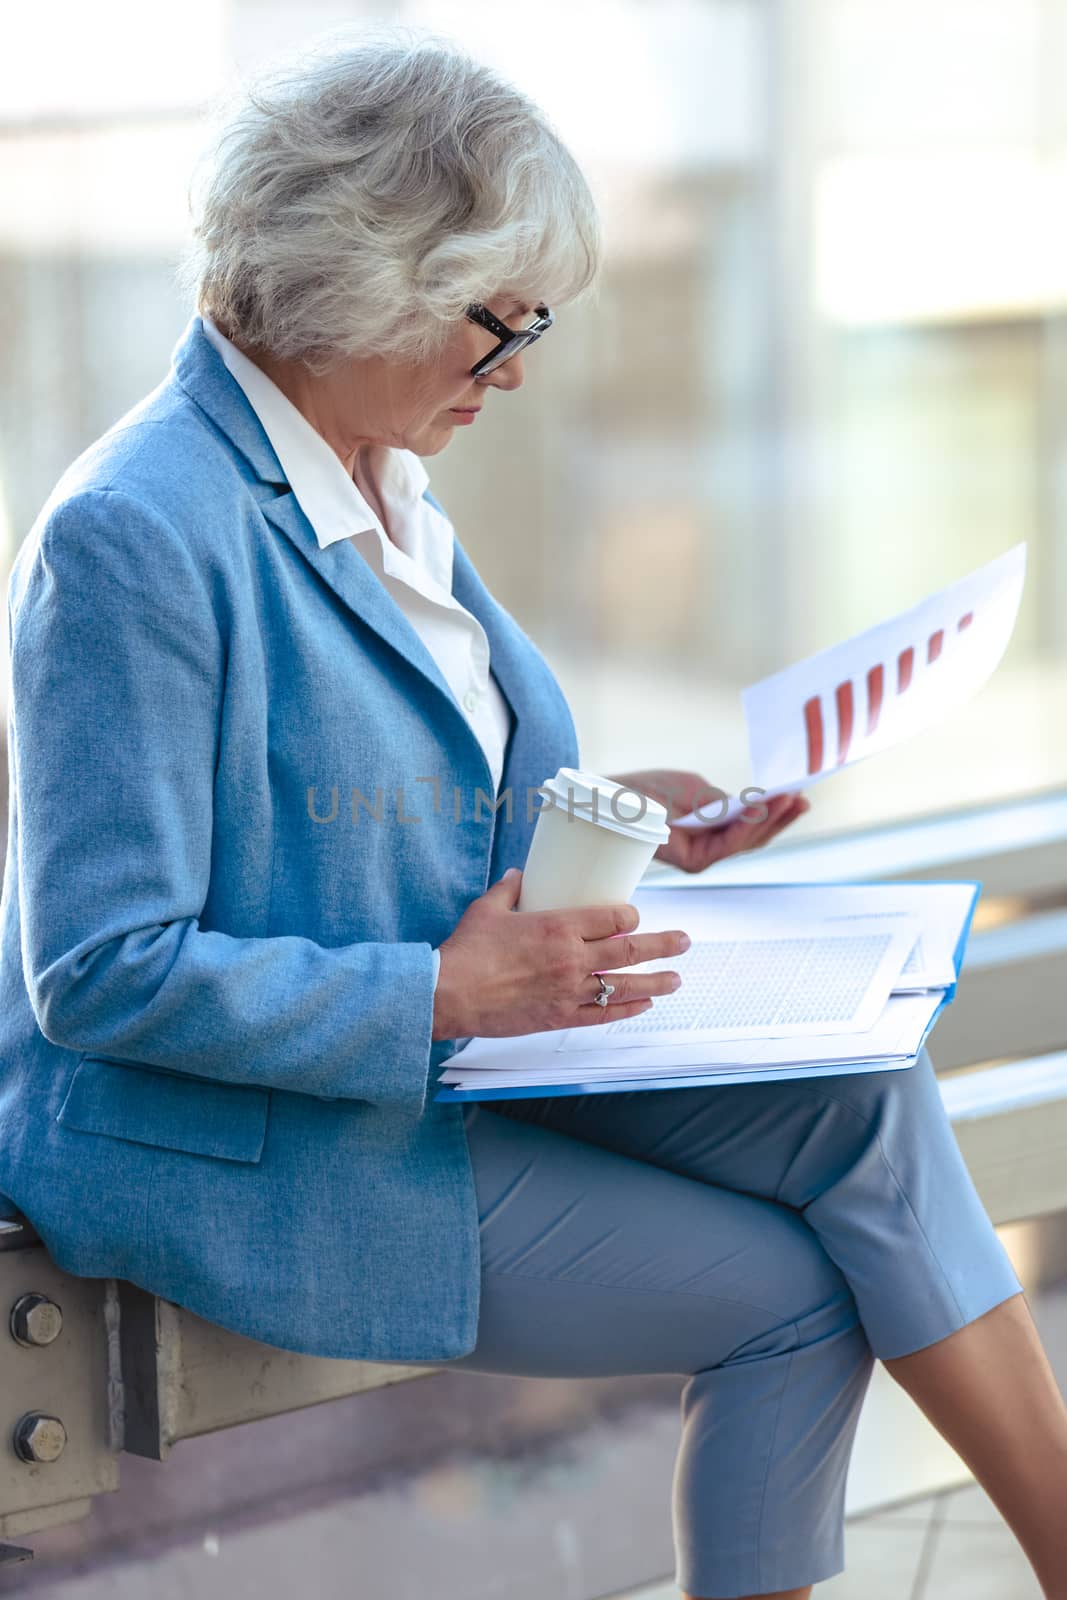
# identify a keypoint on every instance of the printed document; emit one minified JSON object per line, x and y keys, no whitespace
{"x":875,"y":689}
{"x":669,"y":1055}
{"x":896,"y":1036}
{"x":942,"y":908}
{"x":771,"y":977}
{"x":745,"y":996}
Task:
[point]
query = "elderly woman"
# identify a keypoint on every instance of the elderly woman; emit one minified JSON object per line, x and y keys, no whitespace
{"x":255,"y":896}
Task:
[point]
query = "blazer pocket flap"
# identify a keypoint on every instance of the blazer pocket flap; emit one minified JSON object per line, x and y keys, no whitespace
{"x":170,"y":1109}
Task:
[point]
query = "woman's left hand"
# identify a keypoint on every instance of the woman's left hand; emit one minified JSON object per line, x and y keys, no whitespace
{"x":693,"y":849}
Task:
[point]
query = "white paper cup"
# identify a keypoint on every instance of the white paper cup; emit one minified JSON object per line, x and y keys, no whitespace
{"x":591,"y":844}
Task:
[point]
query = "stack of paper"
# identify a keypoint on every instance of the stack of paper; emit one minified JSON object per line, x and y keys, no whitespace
{"x":780,"y":981}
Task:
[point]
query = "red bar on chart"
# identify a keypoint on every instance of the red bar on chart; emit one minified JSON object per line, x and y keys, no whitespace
{"x":814,"y":733}
{"x":875,"y":691}
{"x":965,"y":622}
{"x":933,"y":647}
{"x":843,"y":697}
{"x":905,"y":663}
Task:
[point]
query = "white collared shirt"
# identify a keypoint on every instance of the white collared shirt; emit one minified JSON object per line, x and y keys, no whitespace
{"x":413,"y":560}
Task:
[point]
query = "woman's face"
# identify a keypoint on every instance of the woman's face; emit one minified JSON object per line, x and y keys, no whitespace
{"x":438,"y":392}
{"x":406,"y":405}
{"x":413,"y":406}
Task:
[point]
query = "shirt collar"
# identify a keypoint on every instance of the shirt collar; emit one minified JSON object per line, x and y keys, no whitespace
{"x":328,"y":495}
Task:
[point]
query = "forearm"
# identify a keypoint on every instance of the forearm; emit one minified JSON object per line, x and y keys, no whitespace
{"x":352,"y":1022}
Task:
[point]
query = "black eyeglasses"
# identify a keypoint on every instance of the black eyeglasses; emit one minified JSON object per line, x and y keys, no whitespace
{"x":511,"y":340}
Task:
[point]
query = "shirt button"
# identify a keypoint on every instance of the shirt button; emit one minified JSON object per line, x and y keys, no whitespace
{"x":470,"y":699}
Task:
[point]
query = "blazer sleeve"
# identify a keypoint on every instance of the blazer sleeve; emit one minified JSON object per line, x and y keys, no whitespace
{"x":117,"y":671}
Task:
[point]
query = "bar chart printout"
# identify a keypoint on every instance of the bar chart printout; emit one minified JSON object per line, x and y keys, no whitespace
{"x":878,"y":688}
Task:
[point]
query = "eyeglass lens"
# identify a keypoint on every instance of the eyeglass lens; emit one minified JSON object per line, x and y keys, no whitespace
{"x":513,"y":346}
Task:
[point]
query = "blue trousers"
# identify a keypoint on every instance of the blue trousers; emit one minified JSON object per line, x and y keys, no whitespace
{"x":770,"y":1241}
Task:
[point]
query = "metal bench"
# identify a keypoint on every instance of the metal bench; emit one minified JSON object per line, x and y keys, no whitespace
{"x":95,"y":1367}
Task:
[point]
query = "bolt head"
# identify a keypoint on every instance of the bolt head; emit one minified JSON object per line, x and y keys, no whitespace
{"x":39,"y":1437}
{"x":35,"y":1320}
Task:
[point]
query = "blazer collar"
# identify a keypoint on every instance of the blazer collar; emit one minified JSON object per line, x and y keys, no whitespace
{"x":202,"y":374}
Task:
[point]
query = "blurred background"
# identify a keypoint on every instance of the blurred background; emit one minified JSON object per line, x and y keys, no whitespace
{"x":824,"y":374}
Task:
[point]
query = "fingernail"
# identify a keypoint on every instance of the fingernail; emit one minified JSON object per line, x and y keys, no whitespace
{"x":683,"y":941}
{"x":676,"y":981}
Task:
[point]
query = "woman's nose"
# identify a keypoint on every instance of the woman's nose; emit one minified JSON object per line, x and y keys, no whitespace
{"x":509,"y":374}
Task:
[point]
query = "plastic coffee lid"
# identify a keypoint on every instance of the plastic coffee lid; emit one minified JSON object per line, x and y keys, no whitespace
{"x":608,"y":805}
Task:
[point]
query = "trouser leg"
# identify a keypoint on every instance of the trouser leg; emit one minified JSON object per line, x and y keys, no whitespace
{"x":596,"y":1264}
{"x":868,"y":1160}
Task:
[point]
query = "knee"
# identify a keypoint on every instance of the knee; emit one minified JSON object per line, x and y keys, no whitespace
{"x":806,"y":1297}
{"x":902,"y":1108}
{"x":859,"y":1111}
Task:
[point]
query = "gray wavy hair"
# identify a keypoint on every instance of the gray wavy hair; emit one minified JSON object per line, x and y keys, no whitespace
{"x":360,"y":195}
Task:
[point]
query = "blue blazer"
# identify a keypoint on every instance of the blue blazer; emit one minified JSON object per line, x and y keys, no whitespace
{"x":245,"y":809}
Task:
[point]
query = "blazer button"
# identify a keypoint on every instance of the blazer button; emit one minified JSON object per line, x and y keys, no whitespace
{"x":470,"y":699}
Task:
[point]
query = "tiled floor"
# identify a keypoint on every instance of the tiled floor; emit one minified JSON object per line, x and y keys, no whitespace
{"x":951,"y":1546}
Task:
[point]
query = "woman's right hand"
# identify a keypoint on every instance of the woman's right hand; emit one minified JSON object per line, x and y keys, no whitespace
{"x":505,"y":973}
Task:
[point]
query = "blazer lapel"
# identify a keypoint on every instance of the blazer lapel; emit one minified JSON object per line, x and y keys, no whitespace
{"x":352,"y":580}
{"x":201,"y":372}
